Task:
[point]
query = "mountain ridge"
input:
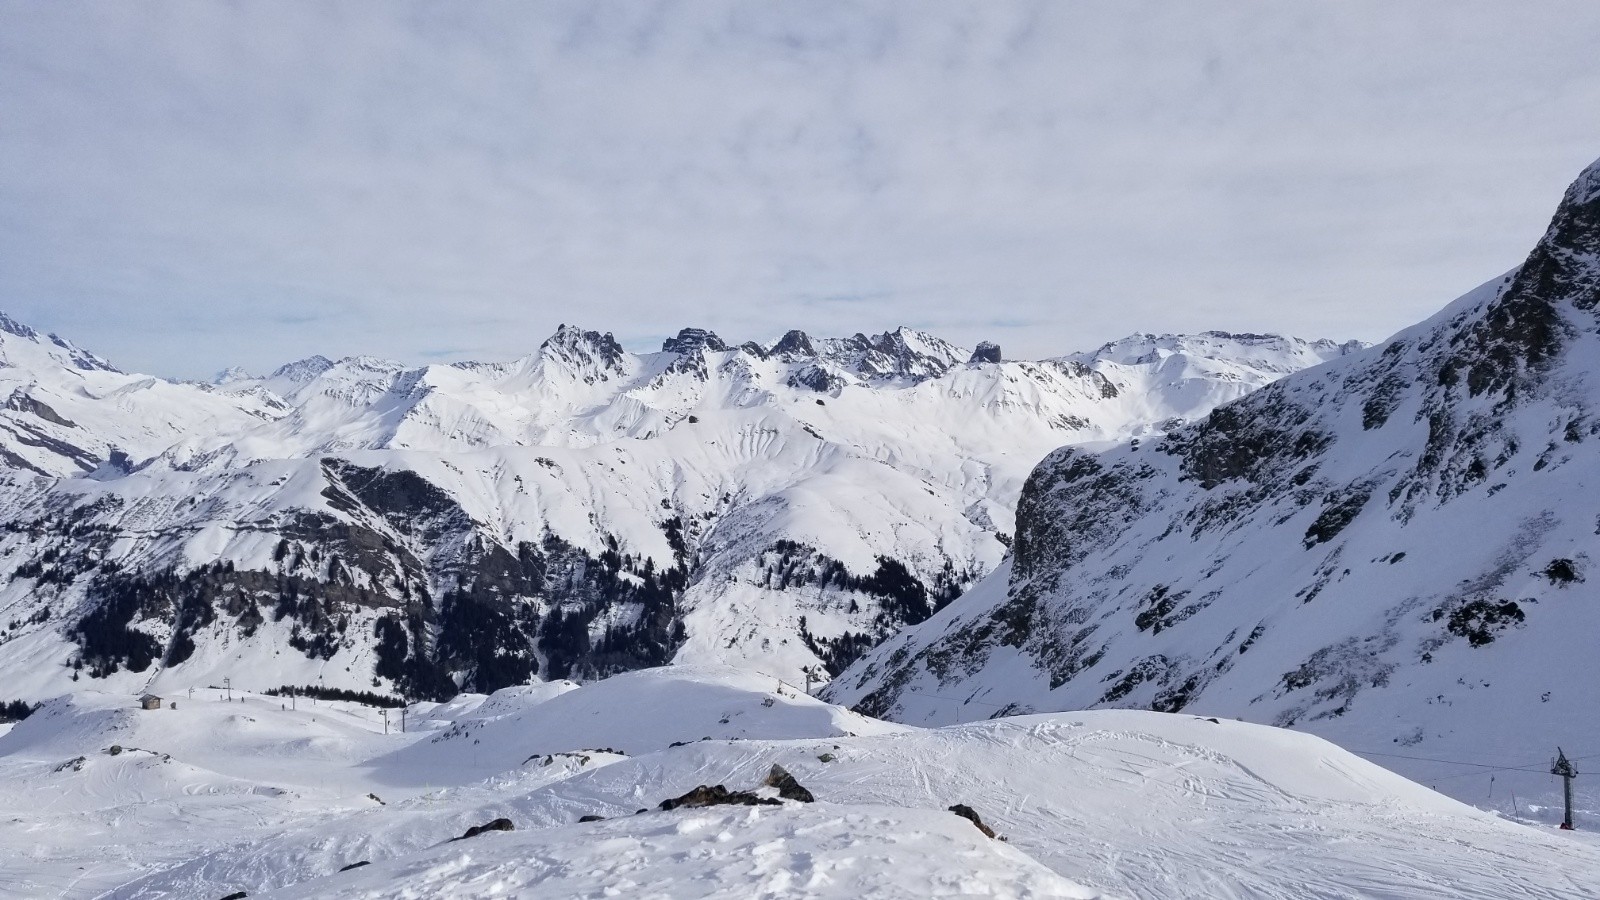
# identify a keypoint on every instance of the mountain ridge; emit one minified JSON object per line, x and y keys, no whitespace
{"x":579,"y":511}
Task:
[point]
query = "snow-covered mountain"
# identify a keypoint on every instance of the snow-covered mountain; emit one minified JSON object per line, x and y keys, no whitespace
{"x":1394,"y":550}
{"x":579,"y":511}
{"x":67,"y":412}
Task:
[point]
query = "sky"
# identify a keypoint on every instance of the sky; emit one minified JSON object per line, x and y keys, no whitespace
{"x":190,"y":186}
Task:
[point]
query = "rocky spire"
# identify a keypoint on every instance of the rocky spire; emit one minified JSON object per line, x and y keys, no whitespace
{"x":690,"y":340}
{"x":986,"y":352}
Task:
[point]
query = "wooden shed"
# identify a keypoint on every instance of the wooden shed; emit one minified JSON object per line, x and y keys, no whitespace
{"x":150,"y":701}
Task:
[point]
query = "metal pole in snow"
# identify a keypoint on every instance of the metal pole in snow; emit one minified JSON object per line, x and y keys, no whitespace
{"x":1564,"y":768}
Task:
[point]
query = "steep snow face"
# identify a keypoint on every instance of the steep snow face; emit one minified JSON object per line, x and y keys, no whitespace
{"x":574,"y":513}
{"x":215,"y":797}
{"x":1391,"y":550}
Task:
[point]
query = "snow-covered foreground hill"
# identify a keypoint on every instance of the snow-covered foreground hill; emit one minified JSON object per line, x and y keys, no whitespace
{"x":578,"y":512}
{"x":1395,"y":550}
{"x":215,"y":797}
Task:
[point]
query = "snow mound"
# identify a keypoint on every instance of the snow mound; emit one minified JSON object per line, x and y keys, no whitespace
{"x":1141,"y":804}
{"x":635,"y":713}
{"x":845,"y":853}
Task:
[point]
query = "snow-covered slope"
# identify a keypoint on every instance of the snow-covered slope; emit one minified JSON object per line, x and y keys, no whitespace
{"x":580,"y":511}
{"x":1395,"y":550}
{"x":216,"y":797}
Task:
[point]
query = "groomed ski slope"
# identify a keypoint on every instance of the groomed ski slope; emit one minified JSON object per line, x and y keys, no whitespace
{"x":225,"y":796}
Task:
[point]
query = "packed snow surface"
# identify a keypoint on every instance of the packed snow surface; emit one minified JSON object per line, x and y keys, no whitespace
{"x":219,"y":796}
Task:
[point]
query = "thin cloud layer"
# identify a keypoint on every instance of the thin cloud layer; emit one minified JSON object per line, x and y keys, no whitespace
{"x":189,"y":186}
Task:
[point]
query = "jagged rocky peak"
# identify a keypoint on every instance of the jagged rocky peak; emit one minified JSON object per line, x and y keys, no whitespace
{"x":794,"y":344}
{"x":585,"y":349}
{"x":20,"y":329}
{"x":986,"y":352}
{"x":693,"y":340}
{"x":904,"y":352}
{"x":919,"y":343}
{"x":303,"y":370}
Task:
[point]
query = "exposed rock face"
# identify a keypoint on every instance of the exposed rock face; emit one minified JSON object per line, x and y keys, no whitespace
{"x":1360,"y":548}
{"x":693,"y":340}
{"x":794,"y":344}
{"x":21,"y":402}
{"x":594,"y":355}
{"x":985,"y":353}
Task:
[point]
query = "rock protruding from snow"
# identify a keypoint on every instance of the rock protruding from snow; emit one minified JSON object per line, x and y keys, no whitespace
{"x":788,"y":788}
{"x":971,"y":815}
{"x":716,"y":795}
{"x":500,"y":824}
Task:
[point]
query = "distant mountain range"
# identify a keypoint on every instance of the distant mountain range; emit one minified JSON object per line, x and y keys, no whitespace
{"x":580,"y":511}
